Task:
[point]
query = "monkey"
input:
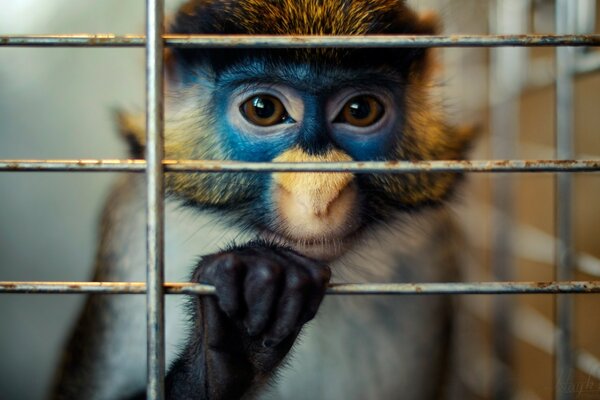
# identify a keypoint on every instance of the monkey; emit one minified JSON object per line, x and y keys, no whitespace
{"x":271,"y":243}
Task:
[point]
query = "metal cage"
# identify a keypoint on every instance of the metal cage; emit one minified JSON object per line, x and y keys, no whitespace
{"x":154,"y":166}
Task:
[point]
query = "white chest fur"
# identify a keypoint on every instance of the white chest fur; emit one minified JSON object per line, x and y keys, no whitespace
{"x":352,"y":345}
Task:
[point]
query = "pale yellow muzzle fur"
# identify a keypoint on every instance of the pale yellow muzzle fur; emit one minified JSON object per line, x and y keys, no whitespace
{"x":315,"y":191}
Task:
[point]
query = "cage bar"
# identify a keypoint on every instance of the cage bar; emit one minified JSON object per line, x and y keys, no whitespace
{"x":302,"y":41}
{"x":154,"y":166}
{"x":155,"y":201}
{"x":508,"y":67}
{"x":471,"y":288}
{"x":566,"y":21}
{"x":365,"y":167}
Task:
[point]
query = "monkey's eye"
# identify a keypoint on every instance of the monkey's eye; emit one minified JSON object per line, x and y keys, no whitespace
{"x":361,"y":111}
{"x":264,"y":110}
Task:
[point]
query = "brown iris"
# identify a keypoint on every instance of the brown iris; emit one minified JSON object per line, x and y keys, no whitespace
{"x":264,"y":110}
{"x":361,"y":111}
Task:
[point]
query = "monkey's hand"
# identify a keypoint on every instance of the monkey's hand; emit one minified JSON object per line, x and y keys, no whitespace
{"x":264,"y":294}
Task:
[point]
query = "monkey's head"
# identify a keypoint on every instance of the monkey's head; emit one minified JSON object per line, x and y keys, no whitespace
{"x":299,"y":105}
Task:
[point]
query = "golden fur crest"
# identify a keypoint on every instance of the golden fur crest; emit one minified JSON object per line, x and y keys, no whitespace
{"x":303,"y":17}
{"x":313,"y":17}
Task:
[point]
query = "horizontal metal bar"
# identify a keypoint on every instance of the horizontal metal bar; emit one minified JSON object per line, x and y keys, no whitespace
{"x":338,"y":288}
{"x":302,"y":41}
{"x":354,"y":167}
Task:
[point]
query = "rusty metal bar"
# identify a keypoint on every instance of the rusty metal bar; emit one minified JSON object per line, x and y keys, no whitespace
{"x":334,"y":289}
{"x":155,"y":313}
{"x":566,"y":21}
{"x":301,"y":41}
{"x":370,"y":167}
{"x":508,"y":67}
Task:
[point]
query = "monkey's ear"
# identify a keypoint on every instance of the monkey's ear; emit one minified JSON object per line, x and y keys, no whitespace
{"x":424,"y":65}
{"x":170,"y":67}
{"x":131,"y":128}
{"x":169,"y":58}
{"x":465,"y":136}
{"x":429,"y":23}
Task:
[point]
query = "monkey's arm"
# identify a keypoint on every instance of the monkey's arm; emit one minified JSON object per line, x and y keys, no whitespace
{"x":264,"y":296}
{"x":105,"y":355}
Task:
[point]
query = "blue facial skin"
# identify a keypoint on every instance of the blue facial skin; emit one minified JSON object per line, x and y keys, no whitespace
{"x":316,"y":85}
{"x":244,"y":147}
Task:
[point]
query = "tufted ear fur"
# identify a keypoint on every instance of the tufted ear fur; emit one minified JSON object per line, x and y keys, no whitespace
{"x":466,"y":135}
{"x":131,"y":128}
{"x":424,"y":65}
{"x":430,"y":23}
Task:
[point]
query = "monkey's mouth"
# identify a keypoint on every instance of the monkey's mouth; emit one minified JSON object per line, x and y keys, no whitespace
{"x":326,"y":248}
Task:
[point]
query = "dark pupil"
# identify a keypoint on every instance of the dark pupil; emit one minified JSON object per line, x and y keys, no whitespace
{"x":360,"y":109}
{"x":263,"y":107}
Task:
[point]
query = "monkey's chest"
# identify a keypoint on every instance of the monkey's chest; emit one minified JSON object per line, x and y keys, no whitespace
{"x":368,"y":348}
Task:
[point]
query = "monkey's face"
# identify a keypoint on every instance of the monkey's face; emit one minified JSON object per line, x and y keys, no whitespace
{"x":306,"y":105}
{"x":304,"y":113}
{"x":270,"y":109}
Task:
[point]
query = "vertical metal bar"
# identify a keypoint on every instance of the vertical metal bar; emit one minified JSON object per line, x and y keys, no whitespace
{"x":155,"y":199}
{"x":508,"y":70}
{"x":565,"y":23}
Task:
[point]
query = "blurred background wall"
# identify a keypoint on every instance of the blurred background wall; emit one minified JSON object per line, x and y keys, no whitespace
{"x":55,"y":103}
{"x":58,"y":103}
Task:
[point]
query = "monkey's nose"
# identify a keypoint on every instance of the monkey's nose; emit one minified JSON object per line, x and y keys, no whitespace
{"x":315,"y":191}
{"x":309,"y":203}
{"x":306,"y":215}
{"x":314,"y":204}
